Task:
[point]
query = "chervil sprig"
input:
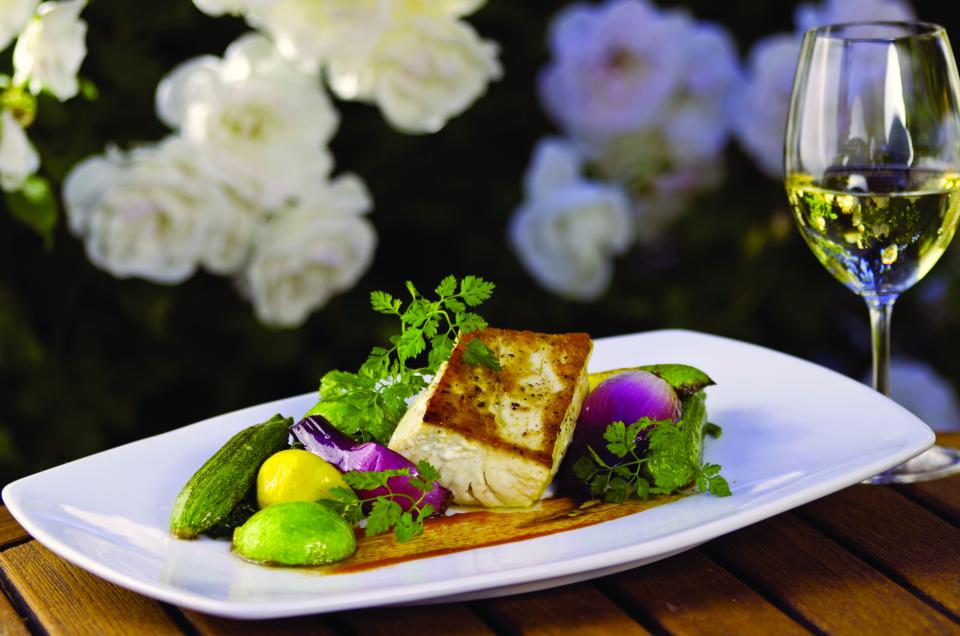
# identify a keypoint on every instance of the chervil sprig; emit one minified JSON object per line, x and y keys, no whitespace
{"x":665,"y":467}
{"x":401,"y":512}
{"x":369,"y":403}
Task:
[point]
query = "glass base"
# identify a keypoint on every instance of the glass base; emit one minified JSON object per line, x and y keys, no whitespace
{"x":934,"y":463}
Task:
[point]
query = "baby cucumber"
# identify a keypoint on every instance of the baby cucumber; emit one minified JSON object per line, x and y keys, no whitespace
{"x":226,"y":477}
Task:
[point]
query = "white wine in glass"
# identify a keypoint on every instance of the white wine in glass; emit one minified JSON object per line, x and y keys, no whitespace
{"x":872,"y":162}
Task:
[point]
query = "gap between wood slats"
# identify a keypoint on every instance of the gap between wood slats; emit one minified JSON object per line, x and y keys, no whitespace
{"x":572,"y":609}
{"x":940,"y":496}
{"x":11,"y":533}
{"x":13,"y":607}
{"x":691,"y":594}
{"x":429,"y":620}
{"x":832,"y":589}
{"x":757,"y":588}
{"x":208,"y":625}
{"x":68,"y":600}
{"x":904,"y":541}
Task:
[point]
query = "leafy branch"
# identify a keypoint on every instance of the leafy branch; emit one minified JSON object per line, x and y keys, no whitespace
{"x":369,"y":403}
{"x":401,"y":512}
{"x":665,"y":467}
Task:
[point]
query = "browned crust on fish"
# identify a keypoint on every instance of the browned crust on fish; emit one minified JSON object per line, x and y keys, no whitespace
{"x":462,"y":412}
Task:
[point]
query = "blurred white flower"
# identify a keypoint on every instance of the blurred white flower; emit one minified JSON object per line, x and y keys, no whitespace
{"x":614,"y":68}
{"x":809,"y":15}
{"x":14,"y":15}
{"x":149,"y":213}
{"x":646,"y":94}
{"x":51,"y":48}
{"x":310,"y":252}
{"x":626,"y":67}
{"x":760,"y":112}
{"x":422,"y":71}
{"x":918,"y":387}
{"x":569,"y":228}
{"x":309,"y":33}
{"x":228,"y":7}
{"x":18,"y":157}
{"x":413,"y":58}
{"x":264,"y":123}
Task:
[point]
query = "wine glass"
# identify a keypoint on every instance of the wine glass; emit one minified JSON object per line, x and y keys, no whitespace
{"x":872,"y":163}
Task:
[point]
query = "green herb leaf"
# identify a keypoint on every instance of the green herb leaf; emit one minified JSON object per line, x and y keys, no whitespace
{"x":427,"y":472}
{"x":476,"y":352}
{"x":368,"y":404}
{"x":712,"y":430}
{"x":361,"y":480}
{"x":447,"y":287}
{"x":672,"y":459}
{"x":384,"y":303}
{"x":386,"y":511}
{"x":475,"y":290}
{"x":384,"y":515}
{"x":719,"y":487}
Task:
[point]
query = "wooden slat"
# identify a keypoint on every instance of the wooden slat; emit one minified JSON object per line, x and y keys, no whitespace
{"x":691,"y":594}
{"x":68,"y":600}
{"x":887,"y":528}
{"x":951,"y":439}
{"x":430,"y":620}
{"x":11,"y":624}
{"x":941,"y":495}
{"x":574,"y":609}
{"x":10,"y":530}
{"x":208,"y":625}
{"x":818,"y":580}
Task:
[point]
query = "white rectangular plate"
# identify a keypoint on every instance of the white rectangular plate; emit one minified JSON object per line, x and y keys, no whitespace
{"x":793,"y":431}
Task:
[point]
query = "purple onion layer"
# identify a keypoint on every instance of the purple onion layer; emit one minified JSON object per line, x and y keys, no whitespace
{"x":320,"y":438}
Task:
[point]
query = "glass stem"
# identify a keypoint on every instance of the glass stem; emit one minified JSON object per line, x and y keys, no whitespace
{"x":881,"y":312}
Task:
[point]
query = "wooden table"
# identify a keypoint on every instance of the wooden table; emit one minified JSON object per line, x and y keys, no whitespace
{"x":867,"y":560}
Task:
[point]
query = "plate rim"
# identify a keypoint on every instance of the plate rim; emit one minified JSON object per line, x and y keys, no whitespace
{"x":634,"y":553}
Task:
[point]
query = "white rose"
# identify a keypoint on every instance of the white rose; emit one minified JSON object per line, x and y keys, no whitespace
{"x":309,"y":32}
{"x":808,"y":16}
{"x":264,"y":123}
{"x":148,"y":213}
{"x":422,"y":71}
{"x":51,"y":48}
{"x":615,"y":67}
{"x":568,"y":229}
{"x":228,"y":7}
{"x":643,"y":90}
{"x":310,"y":252}
{"x":14,"y":15}
{"x":312,"y":33}
{"x":18,"y":157}
{"x":760,"y":114}
{"x":443,"y":8}
{"x":698,"y":121}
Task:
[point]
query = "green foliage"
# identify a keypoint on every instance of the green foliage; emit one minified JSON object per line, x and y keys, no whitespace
{"x":670,"y":462}
{"x":34,"y":205}
{"x":369,"y":403}
{"x":386,"y":512}
{"x":476,"y":352}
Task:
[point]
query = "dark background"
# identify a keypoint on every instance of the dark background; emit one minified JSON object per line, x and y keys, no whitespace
{"x":88,"y":361}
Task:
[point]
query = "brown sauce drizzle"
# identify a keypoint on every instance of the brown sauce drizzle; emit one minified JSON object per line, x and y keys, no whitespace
{"x":482,"y":528}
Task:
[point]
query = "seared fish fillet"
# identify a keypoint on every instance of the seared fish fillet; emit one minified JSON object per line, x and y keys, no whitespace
{"x":497,"y":438}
